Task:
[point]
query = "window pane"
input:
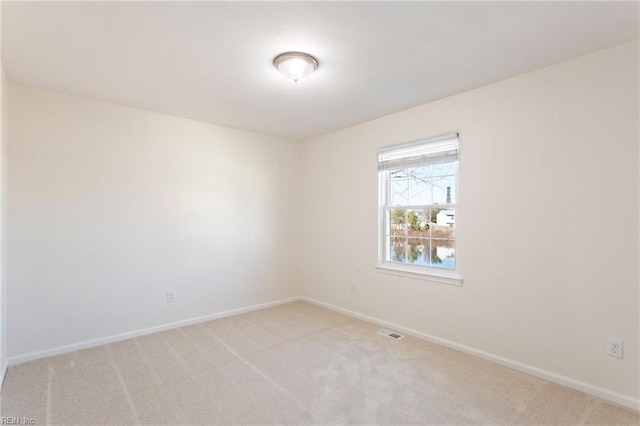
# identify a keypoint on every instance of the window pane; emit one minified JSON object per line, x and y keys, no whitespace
{"x":444,"y":222}
{"x":420,"y":185}
{"x":444,"y":189}
{"x":418,"y":223}
{"x":433,"y":184}
{"x":418,"y":251}
{"x":398,"y":187}
{"x":397,"y":249}
{"x":443,"y":234}
{"x":443,"y":254}
{"x":398,"y":224}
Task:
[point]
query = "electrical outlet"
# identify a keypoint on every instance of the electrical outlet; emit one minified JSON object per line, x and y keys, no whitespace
{"x":615,"y":348}
{"x":171,"y":297}
{"x":353,"y":289}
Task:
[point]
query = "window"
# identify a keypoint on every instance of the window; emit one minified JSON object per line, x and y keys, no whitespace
{"x":418,"y":186}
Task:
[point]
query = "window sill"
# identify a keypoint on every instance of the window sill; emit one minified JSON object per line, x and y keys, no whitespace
{"x":421,"y":273}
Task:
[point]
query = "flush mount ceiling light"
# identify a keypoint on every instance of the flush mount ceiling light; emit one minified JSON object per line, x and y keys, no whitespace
{"x":295,"y":65}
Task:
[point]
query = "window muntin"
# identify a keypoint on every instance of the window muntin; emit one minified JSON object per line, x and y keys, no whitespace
{"x":418,"y":196}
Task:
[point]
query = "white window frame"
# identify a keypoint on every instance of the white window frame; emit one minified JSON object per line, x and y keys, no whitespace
{"x":429,"y":273}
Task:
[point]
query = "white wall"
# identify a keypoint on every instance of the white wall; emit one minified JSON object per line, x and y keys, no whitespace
{"x":110,"y":207}
{"x":4,"y":115}
{"x":548,"y":274}
{"x":4,"y":138}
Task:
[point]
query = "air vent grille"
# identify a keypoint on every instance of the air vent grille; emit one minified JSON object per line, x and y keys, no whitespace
{"x":390,"y":334}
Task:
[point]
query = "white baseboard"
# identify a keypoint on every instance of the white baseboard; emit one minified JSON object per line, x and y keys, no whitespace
{"x":627,"y":401}
{"x":18,"y":359}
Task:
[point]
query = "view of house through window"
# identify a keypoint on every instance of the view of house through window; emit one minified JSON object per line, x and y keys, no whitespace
{"x":418,"y":191}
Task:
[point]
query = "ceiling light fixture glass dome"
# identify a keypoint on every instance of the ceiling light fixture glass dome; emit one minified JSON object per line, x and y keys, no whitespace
{"x":295,"y":65}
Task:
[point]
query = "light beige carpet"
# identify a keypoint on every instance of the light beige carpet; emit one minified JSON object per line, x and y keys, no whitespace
{"x":291,"y":364}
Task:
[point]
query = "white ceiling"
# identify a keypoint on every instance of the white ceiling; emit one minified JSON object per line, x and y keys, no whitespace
{"x":213,"y":61}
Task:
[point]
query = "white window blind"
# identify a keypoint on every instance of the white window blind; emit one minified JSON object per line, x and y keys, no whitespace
{"x":442,"y":149}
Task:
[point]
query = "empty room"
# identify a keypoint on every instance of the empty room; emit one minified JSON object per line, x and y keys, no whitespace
{"x":288,"y":213}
